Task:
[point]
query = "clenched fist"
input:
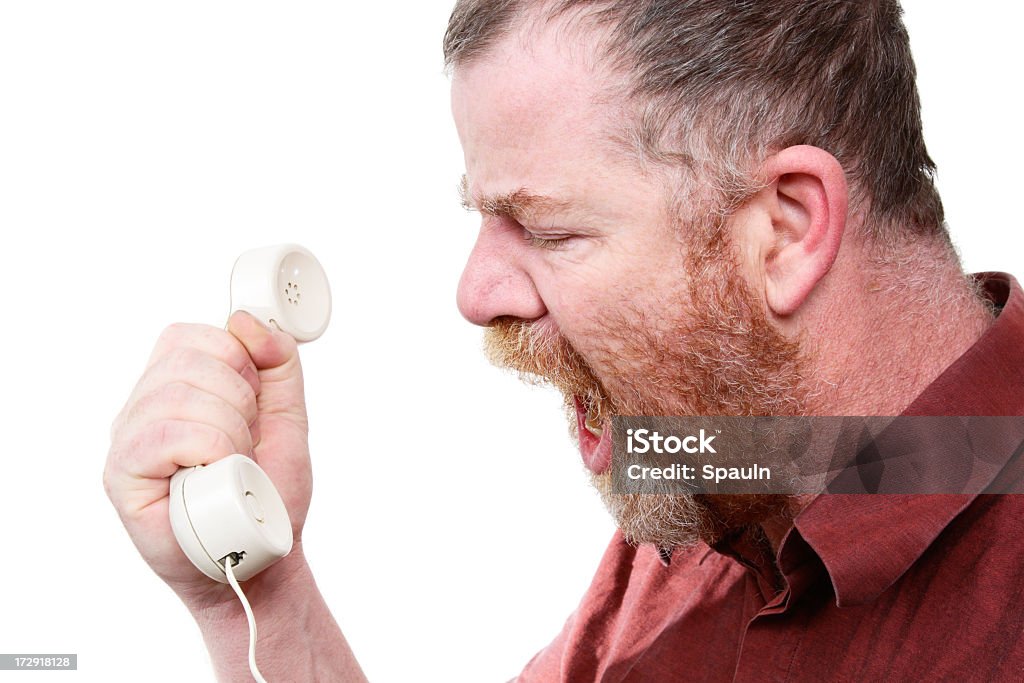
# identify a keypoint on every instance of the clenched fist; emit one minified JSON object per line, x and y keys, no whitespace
{"x":205,"y":394}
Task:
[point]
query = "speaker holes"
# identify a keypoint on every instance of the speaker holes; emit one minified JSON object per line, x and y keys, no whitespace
{"x":292,"y":293}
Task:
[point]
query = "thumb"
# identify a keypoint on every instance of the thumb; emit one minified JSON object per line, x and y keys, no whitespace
{"x":269,"y":348}
{"x":280,"y":431}
{"x":276,"y":356}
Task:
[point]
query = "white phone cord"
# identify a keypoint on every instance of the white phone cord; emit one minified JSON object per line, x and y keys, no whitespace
{"x":229,"y":570}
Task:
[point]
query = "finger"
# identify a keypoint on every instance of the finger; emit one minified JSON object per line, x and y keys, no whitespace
{"x":157,"y":450}
{"x":212,"y":341}
{"x":205,"y":372}
{"x":182,"y":401}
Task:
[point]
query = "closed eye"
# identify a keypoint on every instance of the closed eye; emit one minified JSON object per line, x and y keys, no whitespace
{"x":545,"y":242}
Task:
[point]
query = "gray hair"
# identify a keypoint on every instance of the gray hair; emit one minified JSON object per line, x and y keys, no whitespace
{"x":716,"y":86}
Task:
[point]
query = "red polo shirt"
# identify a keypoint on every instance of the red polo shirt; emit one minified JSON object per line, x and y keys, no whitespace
{"x":872,"y":587}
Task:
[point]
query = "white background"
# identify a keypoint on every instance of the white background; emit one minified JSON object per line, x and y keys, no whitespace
{"x":144,"y":145}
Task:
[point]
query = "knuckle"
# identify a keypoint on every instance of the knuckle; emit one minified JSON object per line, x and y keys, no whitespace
{"x":181,"y":364}
{"x":173,"y":333}
{"x":231,"y":351}
{"x":108,"y":486}
{"x":175,"y":392}
{"x":145,"y":442}
{"x":111,"y":487}
{"x":172,"y":338}
{"x":168,"y":396}
{"x":196,"y":369}
{"x":160,"y":436}
{"x":182,"y":358}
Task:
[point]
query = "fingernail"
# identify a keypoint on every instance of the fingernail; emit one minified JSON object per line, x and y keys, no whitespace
{"x":261,"y":321}
{"x":255,"y":317}
{"x":252,"y":376}
{"x":254,"y":430}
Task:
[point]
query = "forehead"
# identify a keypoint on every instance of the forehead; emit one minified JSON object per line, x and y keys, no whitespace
{"x":537,"y":107}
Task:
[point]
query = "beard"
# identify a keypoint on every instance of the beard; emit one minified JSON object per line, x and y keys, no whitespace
{"x":705,"y":348}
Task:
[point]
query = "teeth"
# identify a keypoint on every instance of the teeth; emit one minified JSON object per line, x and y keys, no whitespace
{"x":594,"y":423}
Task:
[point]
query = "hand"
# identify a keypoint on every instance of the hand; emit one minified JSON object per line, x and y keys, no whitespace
{"x":205,"y":394}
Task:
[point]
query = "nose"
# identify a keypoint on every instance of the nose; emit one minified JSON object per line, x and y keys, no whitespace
{"x":494,"y":284}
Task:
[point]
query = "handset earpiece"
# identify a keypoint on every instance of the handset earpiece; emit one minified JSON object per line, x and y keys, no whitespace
{"x":284,"y":286}
{"x":229,"y":510}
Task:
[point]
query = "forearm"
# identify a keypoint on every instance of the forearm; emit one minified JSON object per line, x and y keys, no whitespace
{"x":298,"y":638}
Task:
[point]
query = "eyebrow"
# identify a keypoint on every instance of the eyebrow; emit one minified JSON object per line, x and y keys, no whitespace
{"x":520,"y":205}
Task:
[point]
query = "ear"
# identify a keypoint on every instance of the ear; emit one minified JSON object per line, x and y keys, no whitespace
{"x":805,"y":200}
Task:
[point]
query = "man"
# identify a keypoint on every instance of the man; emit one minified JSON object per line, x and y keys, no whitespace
{"x":688,"y":207}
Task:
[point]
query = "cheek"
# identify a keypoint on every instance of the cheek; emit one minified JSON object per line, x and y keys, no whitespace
{"x":571,"y":292}
{"x":613,"y":305}
{"x":604,"y":280}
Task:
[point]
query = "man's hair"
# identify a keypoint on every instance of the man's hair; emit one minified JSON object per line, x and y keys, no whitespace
{"x":719,"y":85}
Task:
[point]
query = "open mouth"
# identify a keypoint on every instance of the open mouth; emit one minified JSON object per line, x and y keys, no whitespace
{"x":595,"y":434}
{"x":593,"y":418}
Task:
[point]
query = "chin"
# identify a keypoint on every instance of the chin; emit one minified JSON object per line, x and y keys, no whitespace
{"x":681,"y":520}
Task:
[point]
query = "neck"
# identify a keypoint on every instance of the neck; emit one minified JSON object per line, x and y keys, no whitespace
{"x":895,"y":323}
{"x":881,"y":333}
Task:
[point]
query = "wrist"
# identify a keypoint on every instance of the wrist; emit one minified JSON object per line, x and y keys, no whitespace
{"x":215,"y":606}
{"x":299,"y":639}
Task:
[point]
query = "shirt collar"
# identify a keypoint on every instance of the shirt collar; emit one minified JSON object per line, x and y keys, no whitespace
{"x":867,"y":542}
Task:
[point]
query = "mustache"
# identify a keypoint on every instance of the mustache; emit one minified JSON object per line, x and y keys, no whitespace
{"x":542,"y":357}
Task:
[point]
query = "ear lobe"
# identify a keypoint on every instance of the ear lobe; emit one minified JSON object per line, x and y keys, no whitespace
{"x":808,"y":220}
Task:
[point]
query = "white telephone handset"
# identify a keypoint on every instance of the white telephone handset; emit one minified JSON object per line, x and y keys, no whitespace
{"x":229,"y":511}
